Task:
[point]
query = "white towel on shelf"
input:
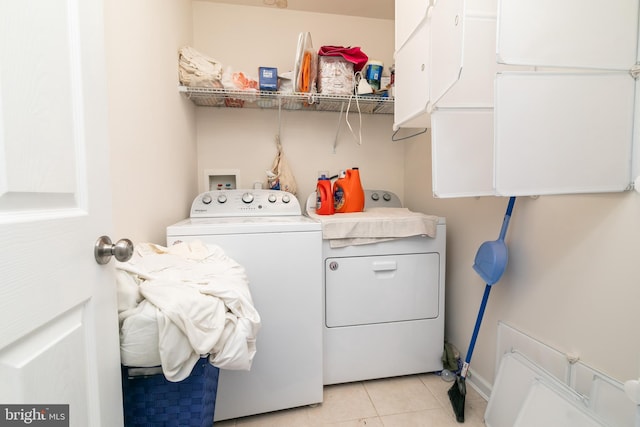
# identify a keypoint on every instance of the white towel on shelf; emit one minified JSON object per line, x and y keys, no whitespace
{"x":200,"y":302}
{"x":198,"y":69}
{"x":374,"y":225}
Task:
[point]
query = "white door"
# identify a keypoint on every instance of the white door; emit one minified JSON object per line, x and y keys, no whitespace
{"x":58,"y":308}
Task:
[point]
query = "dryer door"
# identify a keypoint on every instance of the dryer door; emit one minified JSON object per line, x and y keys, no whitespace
{"x":378,"y":289}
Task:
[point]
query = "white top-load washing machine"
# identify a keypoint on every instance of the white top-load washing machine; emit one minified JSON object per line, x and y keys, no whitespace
{"x":383,"y":301}
{"x":280,"y":249}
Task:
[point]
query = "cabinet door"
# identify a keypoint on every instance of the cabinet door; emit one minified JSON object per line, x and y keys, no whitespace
{"x":462,"y":152}
{"x":447,"y":32}
{"x":561,"y":133}
{"x":412,"y":80}
{"x":596,"y":34}
{"x":474,"y":89}
{"x":409,"y":14}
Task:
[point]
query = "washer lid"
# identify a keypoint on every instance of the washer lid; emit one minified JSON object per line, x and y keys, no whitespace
{"x":242,"y":225}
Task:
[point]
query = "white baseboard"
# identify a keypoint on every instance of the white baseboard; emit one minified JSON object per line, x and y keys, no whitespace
{"x":479,"y":384}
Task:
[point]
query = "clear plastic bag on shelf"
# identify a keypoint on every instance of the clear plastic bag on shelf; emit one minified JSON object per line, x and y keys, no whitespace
{"x":335,"y":76}
{"x":306,"y":65}
{"x":244,"y":88}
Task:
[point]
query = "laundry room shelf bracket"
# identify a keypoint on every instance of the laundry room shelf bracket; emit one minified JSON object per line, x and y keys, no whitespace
{"x":223,"y":98}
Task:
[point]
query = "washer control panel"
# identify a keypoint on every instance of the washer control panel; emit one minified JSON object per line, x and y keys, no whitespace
{"x":232,"y":203}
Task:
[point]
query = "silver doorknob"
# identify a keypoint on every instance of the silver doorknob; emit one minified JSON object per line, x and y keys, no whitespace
{"x":104,"y":250}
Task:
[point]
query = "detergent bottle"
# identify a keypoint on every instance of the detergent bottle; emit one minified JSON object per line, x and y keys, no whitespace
{"x":348,"y":194}
{"x":324,"y":195}
{"x":338,"y":192}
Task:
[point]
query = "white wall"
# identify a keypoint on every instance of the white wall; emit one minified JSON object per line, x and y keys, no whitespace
{"x":244,"y":139}
{"x":151,"y":126}
{"x":245,"y":37}
{"x":573,"y":279}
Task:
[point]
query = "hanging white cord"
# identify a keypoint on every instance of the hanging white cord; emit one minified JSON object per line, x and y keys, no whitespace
{"x":279,"y":117}
{"x":359,"y":137}
{"x":335,"y":140}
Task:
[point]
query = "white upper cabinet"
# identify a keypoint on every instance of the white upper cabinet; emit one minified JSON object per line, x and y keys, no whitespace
{"x":568,"y":130}
{"x":544,"y":103}
{"x":593,"y":34}
{"x":436,"y":39}
{"x":462,"y":122}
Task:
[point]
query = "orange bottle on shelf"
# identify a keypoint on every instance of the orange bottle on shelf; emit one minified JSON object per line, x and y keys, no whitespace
{"x":348,"y":194}
{"x":324,"y":196}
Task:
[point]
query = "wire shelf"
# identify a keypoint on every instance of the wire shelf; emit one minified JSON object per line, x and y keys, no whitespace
{"x":214,"y":97}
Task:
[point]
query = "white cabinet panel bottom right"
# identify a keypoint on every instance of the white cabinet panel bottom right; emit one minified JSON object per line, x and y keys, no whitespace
{"x":462,"y":152}
{"x":561,"y":133}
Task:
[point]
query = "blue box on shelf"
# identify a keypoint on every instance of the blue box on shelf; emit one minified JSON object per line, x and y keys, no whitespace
{"x":152,"y":400}
{"x":268,"y":78}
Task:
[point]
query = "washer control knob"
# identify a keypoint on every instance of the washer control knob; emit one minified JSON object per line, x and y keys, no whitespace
{"x":386,"y":197}
{"x":247,"y":197}
{"x":222,"y":198}
{"x":272,"y":198}
{"x":375,"y":197}
{"x":286,"y":198}
{"x":206,"y":199}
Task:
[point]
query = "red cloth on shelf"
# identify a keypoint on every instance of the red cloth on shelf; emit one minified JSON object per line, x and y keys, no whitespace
{"x":351,"y":54}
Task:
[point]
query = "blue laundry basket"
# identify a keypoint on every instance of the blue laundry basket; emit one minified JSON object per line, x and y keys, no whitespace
{"x":153,"y":401}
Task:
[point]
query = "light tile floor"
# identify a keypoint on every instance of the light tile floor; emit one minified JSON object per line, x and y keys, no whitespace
{"x":409,"y":401}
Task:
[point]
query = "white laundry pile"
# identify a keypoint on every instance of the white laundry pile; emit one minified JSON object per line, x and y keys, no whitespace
{"x":178,"y":304}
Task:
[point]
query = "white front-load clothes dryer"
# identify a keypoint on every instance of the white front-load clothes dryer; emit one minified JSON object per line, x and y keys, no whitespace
{"x":383,"y":302}
{"x":281,"y":250}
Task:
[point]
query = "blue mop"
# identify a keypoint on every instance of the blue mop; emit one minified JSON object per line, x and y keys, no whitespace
{"x":490,"y":263}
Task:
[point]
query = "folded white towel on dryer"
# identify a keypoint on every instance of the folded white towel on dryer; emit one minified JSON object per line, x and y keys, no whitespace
{"x":374,"y":225}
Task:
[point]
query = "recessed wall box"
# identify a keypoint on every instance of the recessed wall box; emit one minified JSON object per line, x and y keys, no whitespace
{"x":221,"y":179}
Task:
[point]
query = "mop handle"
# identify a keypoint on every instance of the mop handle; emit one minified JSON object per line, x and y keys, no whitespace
{"x":485,"y":297}
{"x":476,"y":330}
{"x":507,"y":217}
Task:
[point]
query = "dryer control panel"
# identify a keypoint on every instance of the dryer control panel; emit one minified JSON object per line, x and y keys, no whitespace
{"x":381,"y":199}
{"x":372,"y":199}
{"x":234,"y":203}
